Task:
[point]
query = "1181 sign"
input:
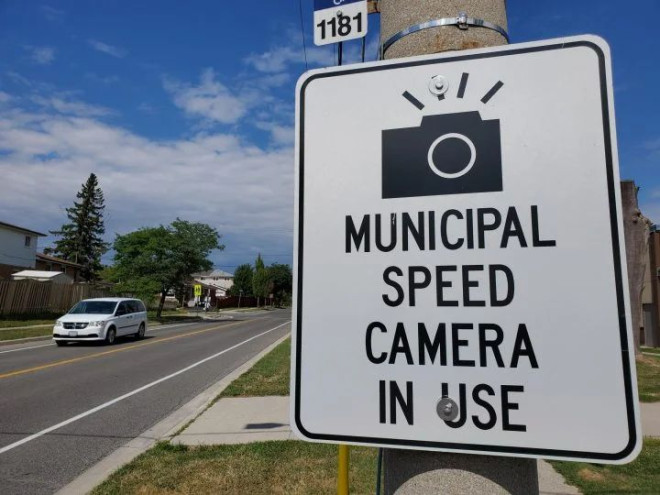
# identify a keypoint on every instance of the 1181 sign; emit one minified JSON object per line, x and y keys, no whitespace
{"x":339,"y":20}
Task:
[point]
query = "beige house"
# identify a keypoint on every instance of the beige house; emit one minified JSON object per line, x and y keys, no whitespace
{"x":217,"y":280}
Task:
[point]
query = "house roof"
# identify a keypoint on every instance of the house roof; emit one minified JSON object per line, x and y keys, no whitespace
{"x":213,"y":273}
{"x":21,"y":229}
{"x":211,"y":284}
{"x":45,"y":257}
{"x":37,"y":274}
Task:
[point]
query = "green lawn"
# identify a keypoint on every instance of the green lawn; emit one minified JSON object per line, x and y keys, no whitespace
{"x":289,"y":468}
{"x":47,"y":324}
{"x":172,"y":316}
{"x":270,"y":376}
{"x":26,"y":322}
{"x":23,"y":333}
{"x":648,"y":378}
{"x":294,"y":467}
{"x":640,"y":476}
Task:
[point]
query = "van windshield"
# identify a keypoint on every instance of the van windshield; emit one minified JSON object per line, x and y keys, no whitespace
{"x":94,"y":307}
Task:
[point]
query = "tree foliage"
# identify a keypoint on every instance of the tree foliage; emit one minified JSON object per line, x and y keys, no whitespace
{"x":281,"y":281}
{"x":159,"y":259}
{"x":81,"y":239}
{"x":242,"y":280}
{"x":260,"y":280}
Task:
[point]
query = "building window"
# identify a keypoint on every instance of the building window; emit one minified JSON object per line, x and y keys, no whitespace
{"x":28,"y":241}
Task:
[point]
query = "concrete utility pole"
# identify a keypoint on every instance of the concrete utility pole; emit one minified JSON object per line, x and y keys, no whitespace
{"x":417,"y":472}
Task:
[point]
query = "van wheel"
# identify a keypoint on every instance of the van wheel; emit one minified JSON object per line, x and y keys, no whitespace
{"x":141,"y":331}
{"x":60,"y":343}
{"x":111,"y":336}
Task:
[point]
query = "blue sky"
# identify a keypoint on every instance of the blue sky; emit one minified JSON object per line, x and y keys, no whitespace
{"x":186,"y":108}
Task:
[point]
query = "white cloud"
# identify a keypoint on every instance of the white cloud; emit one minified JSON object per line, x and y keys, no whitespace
{"x":653,"y":146}
{"x":101,"y":79}
{"x":210,"y":99}
{"x":4,"y":97}
{"x":42,"y":55}
{"x":281,"y":135}
{"x":217,"y":178}
{"x":145,"y":107}
{"x":651,"y":210}
{"x":51,"y":13}
{"x":62,"y":105}
{"x":289,"y":52}
{"x":107,"y":49}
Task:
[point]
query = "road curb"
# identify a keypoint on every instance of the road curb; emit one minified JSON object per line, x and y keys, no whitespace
{"x":164,"y":430}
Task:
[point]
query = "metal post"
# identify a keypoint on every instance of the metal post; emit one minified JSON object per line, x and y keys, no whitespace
{"x":417,"y":472}
{"x":342,"y":470}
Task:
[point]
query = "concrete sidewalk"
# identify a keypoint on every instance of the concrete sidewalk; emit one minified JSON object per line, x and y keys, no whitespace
{"x":650,"y":418}
{"x":258,"y":419}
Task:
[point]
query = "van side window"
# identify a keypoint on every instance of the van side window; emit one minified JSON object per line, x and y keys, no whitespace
{"x":133,"y":306}
{"x":123,"y":309}
{"x":141,"y":307}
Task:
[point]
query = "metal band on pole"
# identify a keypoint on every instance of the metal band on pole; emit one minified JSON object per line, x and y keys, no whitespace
{"x":462,"y":21}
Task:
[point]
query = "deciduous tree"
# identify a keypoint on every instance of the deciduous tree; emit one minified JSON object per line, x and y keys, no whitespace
{"x":157,"y":259}
{"x":281,"y":279}
{"x":242,"y":280}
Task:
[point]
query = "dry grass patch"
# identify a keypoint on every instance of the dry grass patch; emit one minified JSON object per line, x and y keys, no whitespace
{"x":589,"y":475}
{"x":285,"y":468}
{"x":640,"y":476}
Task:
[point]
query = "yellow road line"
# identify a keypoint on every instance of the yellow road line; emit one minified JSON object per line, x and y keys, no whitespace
{"x":105,"y":353}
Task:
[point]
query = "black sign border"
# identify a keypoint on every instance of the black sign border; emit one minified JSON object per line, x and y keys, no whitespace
{"x":616,"y":254}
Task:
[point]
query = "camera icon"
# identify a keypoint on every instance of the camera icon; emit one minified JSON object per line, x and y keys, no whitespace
{"x":447,"y":154}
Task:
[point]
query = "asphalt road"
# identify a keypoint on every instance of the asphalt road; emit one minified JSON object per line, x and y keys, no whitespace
{"x":62,"y":408}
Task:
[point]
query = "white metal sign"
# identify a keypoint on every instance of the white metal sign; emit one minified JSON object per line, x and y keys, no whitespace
{"x":460,"y":275}
{"x":339,"y":20}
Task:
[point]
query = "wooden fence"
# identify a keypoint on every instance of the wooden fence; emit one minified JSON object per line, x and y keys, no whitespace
{"x":21,"y":297}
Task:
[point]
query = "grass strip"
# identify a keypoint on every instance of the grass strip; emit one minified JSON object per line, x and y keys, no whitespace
{"x":648,"y":379}
{"x":270,"y":376}
{"x":289,"y":467}
{"x":640,"y":476}
{"x":25,"y":323}
{"x":23,"y":333}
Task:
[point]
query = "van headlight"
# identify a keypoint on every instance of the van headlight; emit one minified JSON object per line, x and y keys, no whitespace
{"x":58,"y":323}
{"x":96,"y":323}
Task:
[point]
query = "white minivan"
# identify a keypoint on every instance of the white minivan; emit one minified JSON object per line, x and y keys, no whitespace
{"x":102,"y":319}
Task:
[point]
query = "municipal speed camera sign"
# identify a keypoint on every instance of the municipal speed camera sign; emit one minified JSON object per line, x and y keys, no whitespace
{"x":460,"y":275}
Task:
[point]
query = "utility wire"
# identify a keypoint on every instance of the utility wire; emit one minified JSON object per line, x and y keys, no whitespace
{"x":302,"y":32}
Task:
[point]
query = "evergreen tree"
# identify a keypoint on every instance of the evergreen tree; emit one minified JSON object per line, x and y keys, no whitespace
{"x":81,"y":238}
{"x":260,"y":280}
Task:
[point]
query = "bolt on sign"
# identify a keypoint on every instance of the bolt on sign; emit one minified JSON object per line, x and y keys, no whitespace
{"x":460,"y":277}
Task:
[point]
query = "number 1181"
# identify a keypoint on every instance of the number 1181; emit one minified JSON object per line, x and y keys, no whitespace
{"x":341,"y":25}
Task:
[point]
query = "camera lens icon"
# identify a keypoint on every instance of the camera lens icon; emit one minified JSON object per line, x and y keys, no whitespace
{"x":439,"y":156}
{"x":460,"y":173}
